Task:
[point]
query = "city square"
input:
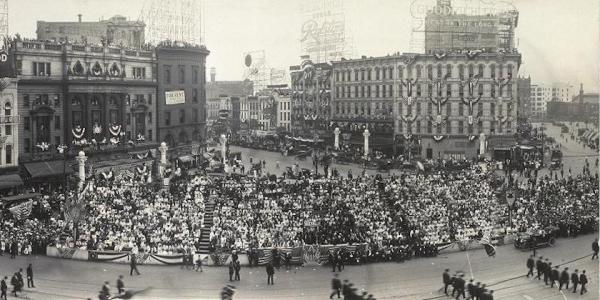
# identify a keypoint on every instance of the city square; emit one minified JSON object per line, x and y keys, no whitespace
{"x":160,"y":153}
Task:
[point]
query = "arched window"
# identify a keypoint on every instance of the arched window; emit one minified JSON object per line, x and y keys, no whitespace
{"x":7,"y":109}
{"x":439,"y":70}
{"x":400,"y":72}
{"x":480,"y":71}
{"x":419,"y":71}
{"x":449,"y":70}
{"x":430,"y":71}
{"x":461,"y":71}
{"x":471,"y":71}
{"x":493,"y":71}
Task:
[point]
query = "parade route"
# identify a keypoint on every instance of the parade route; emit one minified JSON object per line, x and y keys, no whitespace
{"x":414,"y":279}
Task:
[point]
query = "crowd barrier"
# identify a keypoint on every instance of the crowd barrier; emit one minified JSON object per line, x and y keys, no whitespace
{"x":302,"y":255}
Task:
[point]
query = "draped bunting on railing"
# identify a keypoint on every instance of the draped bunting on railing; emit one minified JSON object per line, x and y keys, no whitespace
{"x":438,"y":138}
{"x":97,"y":129}
{"x":142,"y":170}
{"x":78,"y":132}
{"x":107,"y":175}
{"x":115,"y":130}
{"x":142,"y":155}
{"x":43,"y":146}
{"x":472,"y":138}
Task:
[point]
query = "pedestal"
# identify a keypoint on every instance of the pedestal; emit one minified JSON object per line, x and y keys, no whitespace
{"x":336,"y":141}
{"x":81,"y":159}
{"x":366,"y":134}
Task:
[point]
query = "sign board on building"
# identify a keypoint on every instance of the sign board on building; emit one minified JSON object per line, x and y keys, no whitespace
{"x":174,"y":97}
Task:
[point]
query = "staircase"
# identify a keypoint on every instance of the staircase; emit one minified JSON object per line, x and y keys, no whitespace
{"x":208,"y":223}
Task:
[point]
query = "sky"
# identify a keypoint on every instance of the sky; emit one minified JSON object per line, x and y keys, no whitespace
{"x":559,"y":39}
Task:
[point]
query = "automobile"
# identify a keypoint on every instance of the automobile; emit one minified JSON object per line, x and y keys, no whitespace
{"x":536,"y":238}
{"x":555,"y":159}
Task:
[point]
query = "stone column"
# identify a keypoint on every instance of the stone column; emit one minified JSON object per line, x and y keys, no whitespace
{"x":81,"y":158}
{"x":336,"y":142}
{"x":224,"y":148}
{"x":163,"y":153}
{"x":366,"y":134}
{"x":482,"y":144}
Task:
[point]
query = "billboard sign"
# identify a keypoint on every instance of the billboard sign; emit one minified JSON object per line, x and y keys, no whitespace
{"x":174,"y":97}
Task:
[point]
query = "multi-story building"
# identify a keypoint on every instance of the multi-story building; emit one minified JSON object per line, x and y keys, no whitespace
{"x":181,"y":93}
{"x":9,"y":124}
{"x":70,"y":92}
{"x":448,"y":29}
{"x":283,"y":102}
{"x":583,"y":107}
{"x":439,"y":104}
{"x":116,"y":31}
{"x":524,"y":97}
{"x":541,"y":94}
{"x":311,"y":96}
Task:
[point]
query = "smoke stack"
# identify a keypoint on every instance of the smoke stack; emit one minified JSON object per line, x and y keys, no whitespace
{"x":213,"y":74}
{"x":79,"y":17}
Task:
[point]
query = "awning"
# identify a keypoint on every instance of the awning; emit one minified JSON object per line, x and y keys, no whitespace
{"x":10,"y":199}
{"x":47,"y":169}
{"x":10,"y":180}
{"x":186,"y":158}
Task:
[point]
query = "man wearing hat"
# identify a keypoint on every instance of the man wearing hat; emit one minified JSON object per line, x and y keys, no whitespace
{"x":564,"y":279}
{"x":583,"y":281}
{"x":575,"y":280}
{"x":460,"y":286}
{"x":554,"y":276}
{"x":530,"y":265}
{"x":447,"y":280}
{"x":547,"y":271}
{"x":336,"y":286}
{"x":539,"y":265}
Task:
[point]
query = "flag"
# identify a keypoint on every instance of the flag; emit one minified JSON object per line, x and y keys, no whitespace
{"x":23,"y":210}
{"x":487,"y":244}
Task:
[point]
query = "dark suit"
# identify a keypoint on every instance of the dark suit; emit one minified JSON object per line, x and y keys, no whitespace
{"x":575,"y":281}
{"x":30,"y":277}
{"x":231,"y":270}
{"x":530,"y":265}
{"x":133,"y":265}
{"x":3,"y":289}
{"x":460,"y":285}
{"x":270,"y":273}
{"x":564,"y":279}
{"x":547,"y":272}
{"x":554,"y":276}
{"x":336,"y":286}
{"x":583,"y":281}
{"x":237,"y":267}
{"x":539,"y":264}
{"x":447,"y":281}
{"x":120,"y":286}
{"x":595,"y":248}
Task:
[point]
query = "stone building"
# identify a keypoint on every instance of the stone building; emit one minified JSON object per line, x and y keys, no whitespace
{"x":181,"y":93}
{"x":116,"y":31}
{"x":432,"y":105}
{"x":70,"y":92}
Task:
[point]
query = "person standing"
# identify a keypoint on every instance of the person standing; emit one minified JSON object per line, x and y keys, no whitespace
{"x":470,"y":288}
{"x":564,"y":279}
{"x":583,"y":281}
{"x":575,"y":280}
{"x":133,"y":265}
{"x":199,"y":264}
{"x":547,"y":271}
{"x":231,"y":270}
{"x":446,"y":279}
{"x":270,"y":273}
{"x":3,"y":288}
{"x":539,"y":265}
{"x":460,"y":286}
{"x":120,"y":285}
{"x":20,"y":280}
{"x":237,"y":266}
{"x":105,"y":292}
{"x":530,"y":265}
{"x":14,"y":281}
{"x":30,"y":277}
{"x":554,"y":276}
{"x":336,"y":286}
{"x":595,"y":248}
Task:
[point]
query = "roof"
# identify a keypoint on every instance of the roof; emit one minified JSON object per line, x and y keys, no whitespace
{"x":47,"y":169}
{"x":10,"y":180}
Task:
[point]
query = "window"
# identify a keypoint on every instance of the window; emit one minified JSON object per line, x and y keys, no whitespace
{"x":448,"y":109}
{"x":439,"y":71}
{"x":195,"y":115}
{"x":418,"y":90}
{"x":449,"y":70}
{"x":356,"y":91}
{"x":369,"y":91}
{"x":56,"y":122}
{"x":195,"y":95}
{"x":429,"y":126}
{"x":493,"y":91}
{"x":167,"y":74}
{"x":40,"y":69}
{"x":429,"y":108}
{"x":182,"y":116}
{"x":480,"y":108}
{"x":7,"y":129}
{"x":362,"y":74}
{"x":418,"y":108}
{"x":139,"y":72}
{"x":461,"y":90}
{"x":448,"y":127}
{"x":471,"y":72}
{"x":480,"y":89}
{"x":8,"y":150}
{"x":492,"y":109}
{"x":181,"y":74}
{"x":26,"y":100}
{"x":461,"y":72}
{"x":56,"y":100}
{"x":150,"y":99}
{"x":337,"y":76}
{"x":461,"y":109}
{"x":376,"y":73}
{"x":376,"y":91}
{"x":429,"y":71}
{"x":383,"y":91}
{"x":493,"y":71}
{"x":461,"y":126}
{"x":195,"y":73}
{"x":429,"y":89}
{"x":150,"y":117}
{"x":26,"y":122}
{"x":400,"y":72}
{"x":418,"y":126}
{"x":419,"y":71}
{"x":480,"y":71}
{"x":355,"y":75}
{"x":167,"y":118}
{"x":57,"y":140}
{"x":128,"y":116}
{"x":509,"y":90}
{"x":391,"y":91}
{"x":27,"y":143}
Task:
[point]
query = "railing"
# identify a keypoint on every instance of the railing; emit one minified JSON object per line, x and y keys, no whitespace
{"x":78,"y":48}
{"x":114,"y":51}
{"x":97,"y":49}
{"x":130,"y":53}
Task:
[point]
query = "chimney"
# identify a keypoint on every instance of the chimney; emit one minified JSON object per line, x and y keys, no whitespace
{"x":581,"y":93}
{"x":213,"y":74}
{"x":79,"y":17}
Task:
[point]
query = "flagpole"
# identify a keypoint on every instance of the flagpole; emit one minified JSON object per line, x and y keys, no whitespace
{"x":469,"y":261}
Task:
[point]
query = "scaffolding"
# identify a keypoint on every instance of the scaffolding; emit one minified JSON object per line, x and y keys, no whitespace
{"x":3,"y":20}
{"x":175,"y":20}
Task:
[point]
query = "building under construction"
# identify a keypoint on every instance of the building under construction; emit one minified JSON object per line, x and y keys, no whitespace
{"x":447,"y":29}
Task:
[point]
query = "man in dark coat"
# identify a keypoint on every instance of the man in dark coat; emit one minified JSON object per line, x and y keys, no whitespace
{"x":454,"y":284}
{"x":547,"y":271}
{"x":30,"y":276}
{"x":583,"y":281}
{"x":470,"y":288}
{"x":332,"y":260}
{"x":237,"y":267}
{"x":133,"y":265}
{"x":120,"y":285}
{"x":3,"y":288}
{"x":460,"y":286}
{"x":20,"y":280}
{"x":336,"y":286}
{"x":539,"y":265}
{"x":595,"y":248}
{"x":231,"y":270}
{"x":564,"y":279}
{"x":530,"y":265}
{"x":554,"y":276}
{"x":476,"y":291}
{"x":270,"y":273}
{"x":14,"y":249}
{"x":575,"y":280}
{"x":447,"y":280}
{"x":14,"y":281}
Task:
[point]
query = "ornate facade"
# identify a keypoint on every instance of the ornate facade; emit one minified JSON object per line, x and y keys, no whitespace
{"x":310,"y":98}
{"x":438,"y":104}
{"x":85,"y":94}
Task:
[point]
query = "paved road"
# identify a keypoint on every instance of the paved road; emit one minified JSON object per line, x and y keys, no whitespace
{"x":415,"y":279}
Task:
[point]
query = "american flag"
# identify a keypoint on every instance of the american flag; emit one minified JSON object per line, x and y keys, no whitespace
{"x":22,"y":210}
{"x":486,"y":241}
